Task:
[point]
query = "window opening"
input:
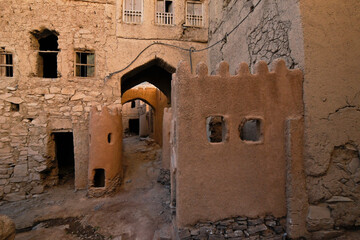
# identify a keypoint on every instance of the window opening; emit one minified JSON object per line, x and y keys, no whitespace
{"x":215,"y":129}
{"x":250,"y":130}
{"x":109,"y":138}
{"x":164,"y":12}
{"x":133,"y":104}
{"x":85,"y":64}
{"x":99,"y":177}
{"x":194,"y":14}
{"x":14,"y":107}
{"x":133,"y":10}
{"x":48,"y":51}
{"x":64,"y":155}
{"x":6,"y":63}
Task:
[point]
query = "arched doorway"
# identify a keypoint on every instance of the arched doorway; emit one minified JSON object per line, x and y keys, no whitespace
{"x":158,"y":74}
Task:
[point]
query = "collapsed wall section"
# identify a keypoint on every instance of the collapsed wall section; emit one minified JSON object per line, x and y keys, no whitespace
{"x":228,"y":140}
{"x":105,"y":151}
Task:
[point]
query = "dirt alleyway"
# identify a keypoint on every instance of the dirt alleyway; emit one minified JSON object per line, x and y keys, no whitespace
{"x":137,"y":211}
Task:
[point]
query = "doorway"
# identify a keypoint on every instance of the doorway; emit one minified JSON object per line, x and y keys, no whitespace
{"x":64,"y":155}
{"x":134,"y":126}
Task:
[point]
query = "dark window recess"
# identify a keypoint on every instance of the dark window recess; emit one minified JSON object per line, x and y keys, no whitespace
{"x":14,"y":107}
{"x":133,"y":104}
{"x":215,"y":128}
{"x":109,"y":138}
{"x":48,"y":51}
{"x":134,"y":126}
{"x":64,"y":150}
{"x":99,"y":177}
{"x":168,"y":7}
{"x":250,"y":130}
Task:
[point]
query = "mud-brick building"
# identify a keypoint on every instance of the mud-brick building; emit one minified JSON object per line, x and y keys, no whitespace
{"x":321,"y":38}
{"x":55,"y":57}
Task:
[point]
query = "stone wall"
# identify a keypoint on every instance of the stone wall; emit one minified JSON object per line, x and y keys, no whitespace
{"x":236,"y":228}
{"x":319,"y":38}
{"x":62,"y":104}
{"x":236,"y":176}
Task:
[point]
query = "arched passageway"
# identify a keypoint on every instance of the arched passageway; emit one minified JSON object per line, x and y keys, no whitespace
{"x":154,"y":98}
{"x":156,"y":72}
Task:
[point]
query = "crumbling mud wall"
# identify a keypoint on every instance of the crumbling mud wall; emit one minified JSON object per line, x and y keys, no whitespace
{"x":33,"y":108}
{"x":273,"y":30}
{"x":166,"y":147}
{"x":105,"y":156}
{"x":332,"y":114}
{"x":302,"y":32}
{"x":236,"y":173}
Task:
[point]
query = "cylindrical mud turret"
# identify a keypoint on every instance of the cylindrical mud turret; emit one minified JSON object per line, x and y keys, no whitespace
{"x":105,"y":146}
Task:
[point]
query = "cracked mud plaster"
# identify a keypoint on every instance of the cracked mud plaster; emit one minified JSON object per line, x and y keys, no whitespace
{"x":269,"y":40}
{"x":339,"y":186}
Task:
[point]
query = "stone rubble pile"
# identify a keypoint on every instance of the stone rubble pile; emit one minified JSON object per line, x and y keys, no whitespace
{"x":237,"y":228}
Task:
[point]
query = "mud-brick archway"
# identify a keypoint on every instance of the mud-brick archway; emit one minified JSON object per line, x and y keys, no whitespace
{"x":156,"y":99}
{"x":156,"y":72}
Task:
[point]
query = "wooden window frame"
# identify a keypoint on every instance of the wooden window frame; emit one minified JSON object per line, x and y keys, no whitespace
{"x":191,"y":19}
{"x":4,"y":66}
{"x":130,"y":15}
{"x":84,"y":64}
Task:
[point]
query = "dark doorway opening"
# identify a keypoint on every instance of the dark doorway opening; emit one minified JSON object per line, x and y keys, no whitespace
{"x":134,"y":126}
{"x":64,"y":152}
{"x":99,"y":177}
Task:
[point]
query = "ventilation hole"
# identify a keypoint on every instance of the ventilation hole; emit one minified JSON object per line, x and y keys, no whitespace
{"x":99,"y":177}
{"x":215,"y":129}
{"x":14,"y":107}
{"x":109,"y":138}
{"x":250,"y":130}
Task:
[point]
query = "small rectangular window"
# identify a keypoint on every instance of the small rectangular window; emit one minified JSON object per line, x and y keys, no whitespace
{"x":133,"y":11}
{"x":164,"y":12}
{"x":251,"y":130}
{"x":6,"y":64}
{"x":85,"y":64}
{"x":194,"y":14}
{"x":215,"y":129}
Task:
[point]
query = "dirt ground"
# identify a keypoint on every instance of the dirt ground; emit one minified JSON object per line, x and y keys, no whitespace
{"x":140,"y":210}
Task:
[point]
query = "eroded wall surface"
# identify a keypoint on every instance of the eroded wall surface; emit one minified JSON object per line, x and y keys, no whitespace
{"x":48,"y":105}
{"x":320,"y":38}
{"x":273,"y":30}
{"x":332,"y":112}
{"x":166,"y":147}
{"x":62,"y":104}
{"x":235,"y":176}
